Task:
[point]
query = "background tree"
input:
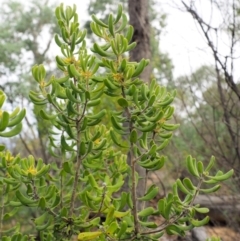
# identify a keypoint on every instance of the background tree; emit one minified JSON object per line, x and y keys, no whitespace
{"x":209,"y":97}
{"x":23,"y":30}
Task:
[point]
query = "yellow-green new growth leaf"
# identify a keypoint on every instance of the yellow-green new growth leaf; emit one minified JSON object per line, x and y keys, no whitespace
{"x":118,"y":214}
{"x":88,"y":235}
{"x":2,"y":98}
{"x":202,"y":210}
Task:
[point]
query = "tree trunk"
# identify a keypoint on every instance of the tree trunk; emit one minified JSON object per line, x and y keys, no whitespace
{"x":138,"y":13}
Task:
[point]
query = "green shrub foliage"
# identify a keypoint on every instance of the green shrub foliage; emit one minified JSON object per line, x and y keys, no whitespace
{"x":80,"y":194}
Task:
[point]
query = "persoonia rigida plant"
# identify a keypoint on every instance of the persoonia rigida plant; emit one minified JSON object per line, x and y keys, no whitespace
{"x":80,"y":193}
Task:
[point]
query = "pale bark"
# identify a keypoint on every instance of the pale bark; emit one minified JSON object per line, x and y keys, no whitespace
{"x":138,"y":14}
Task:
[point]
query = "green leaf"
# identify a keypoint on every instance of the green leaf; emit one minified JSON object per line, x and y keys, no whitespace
{"x":10,"y":214}
{"x":4,"y":119}
{"x":146,"y":212}
{"x":199,"y":223}
{"x":202,"y":210}
{"x":13,"y":132}
{"x":175,"y":230}
{"x":133,"y":136}
{"x":42,"y":203}
{"x":210,"y":190}
{"x":67,"y":167}
{"x":122,"y":102}
{"x":223,"y":177}
{"x":2,"y":148}
{"x":89,"y":235}
{"x":151,"y":193}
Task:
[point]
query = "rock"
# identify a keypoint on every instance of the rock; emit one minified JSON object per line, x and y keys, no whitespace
{"x":199,"y":234}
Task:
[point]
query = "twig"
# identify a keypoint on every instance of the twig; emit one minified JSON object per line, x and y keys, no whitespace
{"x":2,"y":211}
{"x":228,"y":77}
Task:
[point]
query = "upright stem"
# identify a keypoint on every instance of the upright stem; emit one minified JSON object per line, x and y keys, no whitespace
{"x":133,"y":169}
{"x":133,"y":191}
{"x":61,"y":192}
{"x":2,"y":211}
{"x":36,"y":197}
{"x":145,"y":189}
{"x":79,"y":159}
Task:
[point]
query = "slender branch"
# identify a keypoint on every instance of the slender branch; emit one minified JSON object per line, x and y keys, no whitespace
{"x":25,"y":145}
{"x":226,"y":114}
{"x":47,"y":48}
{"x":35,"y":195}
{"x":79,"y":161}
{"x":61,"y":191}
{"x":228,"y":77}
{"x":195,"y":127}
{"x":2,"y":210}
{"x":134,"y":190}
{"x":30,"y":127}
{"x":79,"y":157}
{"x":133,"y":169}
{"x":101,"y":204}
{"x":43,"y":147}
{"x":145,"y":188}
{"x":161,"y":182}
{"x":233,"y":35}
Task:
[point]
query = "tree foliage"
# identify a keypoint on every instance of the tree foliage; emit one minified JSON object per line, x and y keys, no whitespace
{"x":21,"y":40}
{"x":26,"y":35}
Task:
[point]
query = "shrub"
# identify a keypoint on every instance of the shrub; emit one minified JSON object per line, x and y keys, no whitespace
{"x":97,"y":149}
